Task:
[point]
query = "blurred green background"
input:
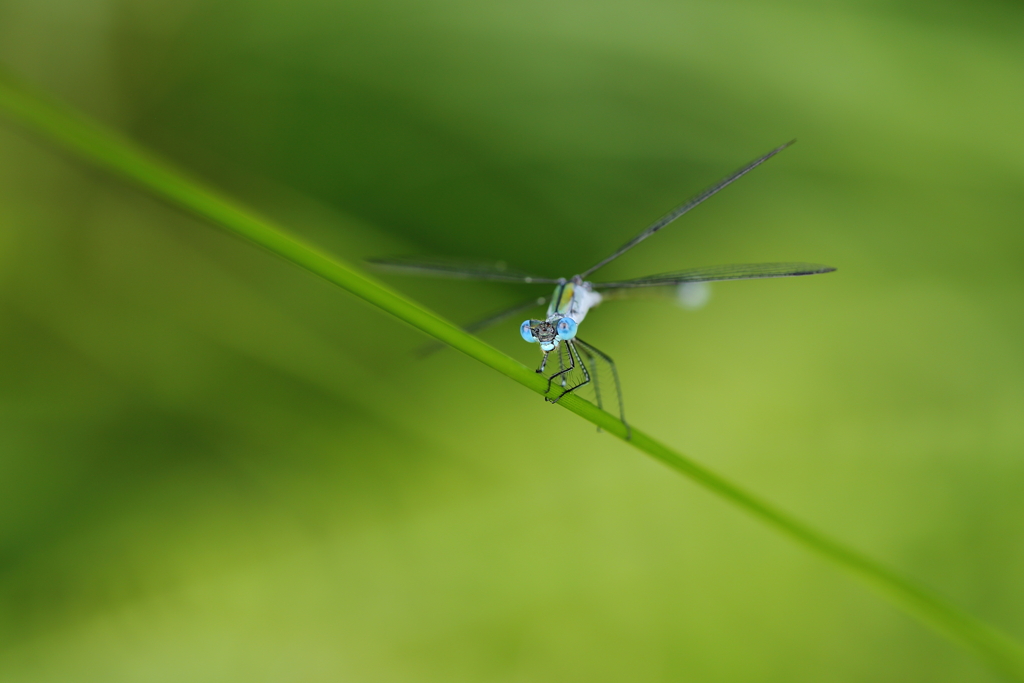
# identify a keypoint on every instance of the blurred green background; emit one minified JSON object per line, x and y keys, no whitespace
{"x":215,"y":467}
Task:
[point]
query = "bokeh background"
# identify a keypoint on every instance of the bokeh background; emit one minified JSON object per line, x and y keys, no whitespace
{"x":214,"y":467}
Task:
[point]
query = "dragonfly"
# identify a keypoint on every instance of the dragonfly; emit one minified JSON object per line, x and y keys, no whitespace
{"x":558,"y":331}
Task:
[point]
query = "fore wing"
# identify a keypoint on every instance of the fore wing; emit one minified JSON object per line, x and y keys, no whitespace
{"x":743,"y":271}
{"x":455,"y":269}
{"x":684,"y":208}
{"x":484,"y":323}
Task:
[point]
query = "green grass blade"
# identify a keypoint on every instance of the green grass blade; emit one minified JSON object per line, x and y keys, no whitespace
{"x":96,"y":145}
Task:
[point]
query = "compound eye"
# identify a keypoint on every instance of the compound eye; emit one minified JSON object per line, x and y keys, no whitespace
{"x":566,"y":329}
{"x":527,"y":332}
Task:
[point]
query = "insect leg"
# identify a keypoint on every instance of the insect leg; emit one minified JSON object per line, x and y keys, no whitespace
{"x":586,"y":374}
{"x":589,"y":357}
{"x":615,"y":376}
{"x":572,"y":366}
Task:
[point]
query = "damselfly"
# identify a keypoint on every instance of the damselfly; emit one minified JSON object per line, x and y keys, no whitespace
{"x":573,"y":297}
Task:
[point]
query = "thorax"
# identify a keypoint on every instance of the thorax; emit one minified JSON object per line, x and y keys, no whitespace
{"x":572,"y":299}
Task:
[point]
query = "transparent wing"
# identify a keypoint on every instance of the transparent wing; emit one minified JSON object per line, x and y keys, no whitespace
{"x":496,"y":318}
{"x":455,"y":269}
{"x":579,"y":368}
{"x":743,"y":271}
{"x":684,"y":208}
{"x":607,"y":392}
{"x":484,"y":323}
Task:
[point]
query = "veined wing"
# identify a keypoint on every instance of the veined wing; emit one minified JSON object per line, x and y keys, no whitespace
{"x":604,"y":381}
{"x":484,"y":323}
{"x":684,"y":208}
{"x":742,"y":271}
{"x":496,"y":318}
{"x":456,"y":269}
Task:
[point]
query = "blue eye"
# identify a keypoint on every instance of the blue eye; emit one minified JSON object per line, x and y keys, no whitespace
{"x":566,"y":328}
{"x":527,"y":332}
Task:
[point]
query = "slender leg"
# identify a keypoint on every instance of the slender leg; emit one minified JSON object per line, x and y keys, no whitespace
{"x":561,"y":366}
{"x":615,"y":375}
{"x":572,"y":366}
{"x":586,"y":373}
{"x":589,"y":357}
{"x":543,"y":364}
